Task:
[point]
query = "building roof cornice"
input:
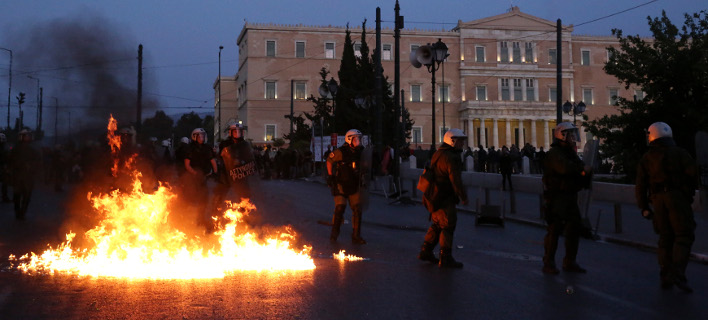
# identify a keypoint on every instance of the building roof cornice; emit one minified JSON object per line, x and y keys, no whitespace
{"x":501,"y":22}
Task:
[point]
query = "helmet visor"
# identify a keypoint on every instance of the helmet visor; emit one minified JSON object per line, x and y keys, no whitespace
{"x":573,"y":134}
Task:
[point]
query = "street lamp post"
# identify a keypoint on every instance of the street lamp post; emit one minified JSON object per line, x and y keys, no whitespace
{"x":431,"y":56}
{"x":219,"y":125}
{"x":574,"y":109}
{"x":33,"y":78}
{"x":9,"y":90}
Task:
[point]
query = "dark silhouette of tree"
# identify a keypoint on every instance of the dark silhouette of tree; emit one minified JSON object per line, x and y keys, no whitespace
{"x":672,"y":71}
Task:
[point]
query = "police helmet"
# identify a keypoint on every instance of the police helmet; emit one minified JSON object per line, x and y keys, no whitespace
{"x":659,"y":130}
{"x":351,"y":134}
{"x":199,"y":131}
{"x":565,"y":130}
{"x":453,"y":134}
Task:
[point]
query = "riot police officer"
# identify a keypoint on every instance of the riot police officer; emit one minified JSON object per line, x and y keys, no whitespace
{"x":199,"y":164}
{"x":343,"y":168}
{"x":666,"y":182}
{"x":447,"y":165}
{"x":239,"y":165}
{"x":23,"y":162}
{"x":564,"y":175}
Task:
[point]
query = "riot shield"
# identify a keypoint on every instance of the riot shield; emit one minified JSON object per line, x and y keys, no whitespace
{"x":365,"y":166}
{"x":590,"y":155}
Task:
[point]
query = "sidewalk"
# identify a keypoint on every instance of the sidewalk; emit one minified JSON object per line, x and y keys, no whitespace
{"x":628,"y":228}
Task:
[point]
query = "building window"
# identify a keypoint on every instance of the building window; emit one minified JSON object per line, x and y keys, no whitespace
{"x":270,"y":48}
{"x":357,"y":50}
{"x":638,"y":95}
{"x":503,"y":51}
{"x":270,"y":90}
{"x":414,"y":47}
{"x":614,"y":93}
{"x":529,"y":52}
{"x":480,"y":57}
{"x":300,"y":90}
{"x":518,"y":95}
{"x":517,"y":52}
{"x":444,"y":93}
{"x":329,"y":50}
{"x":530,"y":90}
{"x":482,"y":93}
{"x":417,"y":135}
{"x":386,"y":52}
{"x":610,"y":55}
{"x":585,"y":57}
{"x":505,"y":96}
{"x":415,"y":93}
{"x":299,"y":49}
{"x":552,"y":56}
{"x":269,"y":132}
{"x":587,"y":96}
{"x":441,"y":136}
{"x":552,"y":94}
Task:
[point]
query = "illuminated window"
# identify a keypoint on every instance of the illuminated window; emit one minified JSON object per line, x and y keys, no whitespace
{"x":415,"y":93}
{"x":552,"y":94}
{"x":529,"y":52}
{"x":417,"y":135}
{"x":587,"y":96}
{"x":504,"y":51}
{"x":269,"y":132}
{"x":614,"y":93}
{"x":585,"y":57}
{"x":270,"y":90}
{"x":300,"y":92}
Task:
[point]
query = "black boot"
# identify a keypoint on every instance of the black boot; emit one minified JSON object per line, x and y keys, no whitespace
{"x":446,"y":259}
{"x":426,"y":253}
{"x":337,"y":219}
{"x":356,"y":225}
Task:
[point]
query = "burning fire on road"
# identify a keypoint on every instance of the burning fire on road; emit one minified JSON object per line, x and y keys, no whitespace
{"x":135,"y":239}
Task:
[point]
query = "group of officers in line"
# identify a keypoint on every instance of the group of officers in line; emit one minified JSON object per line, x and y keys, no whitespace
{"x":666,"y":182}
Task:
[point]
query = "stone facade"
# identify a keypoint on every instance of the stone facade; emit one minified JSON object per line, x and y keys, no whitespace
{"x":500,"y":77}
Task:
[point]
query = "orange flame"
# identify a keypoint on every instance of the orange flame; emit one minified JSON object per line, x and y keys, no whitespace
{"x":114,"y":142}
{"x":341,"y":256}
{"x":134,"y":239}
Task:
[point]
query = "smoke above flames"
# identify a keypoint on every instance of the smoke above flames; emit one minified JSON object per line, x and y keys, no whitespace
{"x":85,"y":61}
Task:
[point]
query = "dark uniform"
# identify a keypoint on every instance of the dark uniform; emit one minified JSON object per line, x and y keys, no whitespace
{"x":239,"y":164}
{"x":346,"y":185}
{"x":194,"y":185}
{"x":563,"y":177}
{"x":4,"y":180}
{"x":447,"y":165}
{"x":667,"y":178}
{"x":23,"y":163}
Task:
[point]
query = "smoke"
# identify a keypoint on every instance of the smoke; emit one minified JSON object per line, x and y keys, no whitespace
{"x":88,"y":64}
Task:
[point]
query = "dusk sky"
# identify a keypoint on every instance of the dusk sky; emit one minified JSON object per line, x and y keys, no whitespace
{"x":181,"y":38}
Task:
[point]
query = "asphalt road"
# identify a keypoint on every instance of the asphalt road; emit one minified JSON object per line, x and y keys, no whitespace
{"x":501,"y":279}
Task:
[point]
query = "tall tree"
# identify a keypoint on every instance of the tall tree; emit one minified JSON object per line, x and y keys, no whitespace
{"x":672,"y":71}
{"x":159,"y":126}
{"x":187,"y":123}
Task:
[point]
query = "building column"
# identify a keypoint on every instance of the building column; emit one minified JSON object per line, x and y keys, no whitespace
{"x":508,"y":133}
{"x":546,"y":133}
{"x":482,"y":134}
{"x":534,"y":141}
{"x":521,"y":134}
{"x":470,"y":133}
{"x":495,"y":133}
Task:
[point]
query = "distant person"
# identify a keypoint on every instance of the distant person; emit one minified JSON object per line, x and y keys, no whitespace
{"x":505,"y":165}
{"x":666,"y":181}
{"x":563,"y":176}
{"x":447,"y":165}
{"x":4,"y":154}
{"x":23,"y":163}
